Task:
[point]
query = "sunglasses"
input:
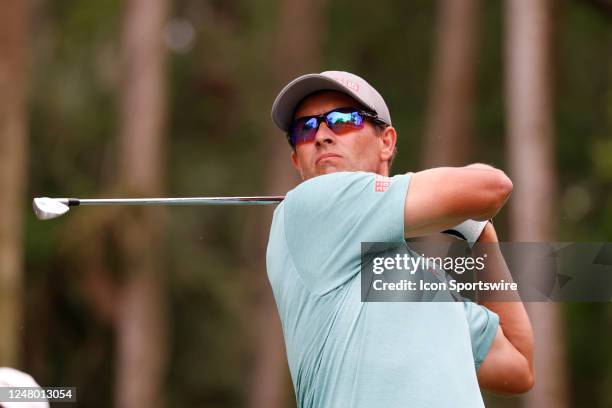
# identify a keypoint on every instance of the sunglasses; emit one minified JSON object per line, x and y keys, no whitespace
{"x":340,"y":121}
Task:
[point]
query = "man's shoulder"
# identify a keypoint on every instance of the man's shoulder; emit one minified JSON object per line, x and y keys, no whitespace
{"x":327,"y":185}
{"x":342,"y":191}
{"x":332,"y":178}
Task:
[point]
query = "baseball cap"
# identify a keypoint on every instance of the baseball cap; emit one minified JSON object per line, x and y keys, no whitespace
{"x":354,"y":86}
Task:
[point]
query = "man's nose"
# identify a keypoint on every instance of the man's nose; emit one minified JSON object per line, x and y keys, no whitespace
{"x":324,"y":135}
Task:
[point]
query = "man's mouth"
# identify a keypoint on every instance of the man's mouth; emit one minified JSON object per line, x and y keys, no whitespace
{"x":326,"y":156}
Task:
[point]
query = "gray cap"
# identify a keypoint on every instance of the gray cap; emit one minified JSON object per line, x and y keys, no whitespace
{"x":354,"y":86}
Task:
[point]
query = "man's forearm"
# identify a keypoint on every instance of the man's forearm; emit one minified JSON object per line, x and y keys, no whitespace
{"x":513,"y":317}
{"x":443,"y":197}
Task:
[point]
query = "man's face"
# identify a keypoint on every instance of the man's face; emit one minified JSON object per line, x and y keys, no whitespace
{"x":356,"y":150}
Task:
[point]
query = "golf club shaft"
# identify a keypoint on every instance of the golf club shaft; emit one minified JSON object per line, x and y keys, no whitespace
{"x":257,"y":200}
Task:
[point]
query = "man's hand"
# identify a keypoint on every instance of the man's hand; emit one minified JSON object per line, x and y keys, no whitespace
{"x":508,"y":367}
{"x":443,"y":197}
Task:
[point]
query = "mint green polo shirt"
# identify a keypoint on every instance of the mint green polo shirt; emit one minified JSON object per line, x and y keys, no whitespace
{"x":343,"y":352}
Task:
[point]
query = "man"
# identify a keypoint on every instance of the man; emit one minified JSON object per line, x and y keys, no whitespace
{"x":343,"y":352}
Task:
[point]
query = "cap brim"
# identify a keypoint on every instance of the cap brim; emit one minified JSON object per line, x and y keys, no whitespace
{"x":295,"y":91}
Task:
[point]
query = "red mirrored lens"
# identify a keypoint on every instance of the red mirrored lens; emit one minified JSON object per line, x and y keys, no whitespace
{"x":342,"y":121}
{"x":304,"y":130}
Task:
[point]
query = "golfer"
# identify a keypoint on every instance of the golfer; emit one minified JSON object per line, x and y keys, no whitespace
{"x":343,"y":352}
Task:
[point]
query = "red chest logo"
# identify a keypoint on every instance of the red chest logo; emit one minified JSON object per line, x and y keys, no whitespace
{"x":381,"y":184}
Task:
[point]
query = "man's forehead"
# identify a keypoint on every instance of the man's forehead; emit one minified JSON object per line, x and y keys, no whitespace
{"x":323,"y":101}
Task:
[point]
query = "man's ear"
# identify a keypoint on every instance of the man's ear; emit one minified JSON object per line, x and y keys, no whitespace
{"x":294,"y":160}
{"x":296,"y":163}
{"x":388,"y":138}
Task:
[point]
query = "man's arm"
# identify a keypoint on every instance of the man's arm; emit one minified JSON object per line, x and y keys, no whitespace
{"x":443,"y":197}
{"x":508,"y":367}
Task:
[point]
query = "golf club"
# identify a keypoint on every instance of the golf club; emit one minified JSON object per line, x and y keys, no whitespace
{"x":47,"y":208}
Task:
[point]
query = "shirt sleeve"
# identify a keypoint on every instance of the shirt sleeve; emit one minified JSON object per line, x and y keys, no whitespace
{"x":483,"y":325}
{"x":328,"y":217}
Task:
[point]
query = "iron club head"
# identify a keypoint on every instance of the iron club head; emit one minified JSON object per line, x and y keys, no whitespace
{"x":47,"y":208}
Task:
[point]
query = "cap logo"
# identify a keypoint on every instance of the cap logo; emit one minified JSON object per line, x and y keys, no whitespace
{"x":381,"y":184}
{"x":349,"y":84}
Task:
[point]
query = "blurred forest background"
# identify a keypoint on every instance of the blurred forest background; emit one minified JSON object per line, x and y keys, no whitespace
{"x":144,"y":307}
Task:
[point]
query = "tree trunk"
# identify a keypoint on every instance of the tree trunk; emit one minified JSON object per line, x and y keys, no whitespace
{"x":449,"y":128}
{"x":299,"y":23}
{"x":141,"y":318}
{"x":532,"y":168}
{"x":14,"y":44}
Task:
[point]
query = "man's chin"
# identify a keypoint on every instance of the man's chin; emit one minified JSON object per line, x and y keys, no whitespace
{"x":324,"y":171}
{"x":328,"y":169}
